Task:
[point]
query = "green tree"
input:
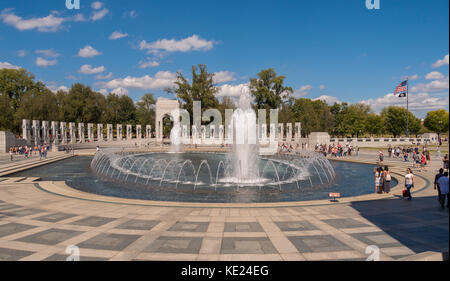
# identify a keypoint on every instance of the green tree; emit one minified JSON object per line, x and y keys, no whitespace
{"x":82,"y":104}
{"x":146,"y":110}
{"x":437,"y":121}
{"x":394,"y":118}
{"x":351,"y":119}
{"x":269,"y":90}
{"x":7,"y":116}
{"x":374,"y":124}
{"x":15,"y":83}
{"x":119,"y":110}
{"x":201,"y":89}
{"x":315,"y":116}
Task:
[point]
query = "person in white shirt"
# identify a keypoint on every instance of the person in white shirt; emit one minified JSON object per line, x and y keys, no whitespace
{"x":409,"y":182}
{"x":443,"y":186}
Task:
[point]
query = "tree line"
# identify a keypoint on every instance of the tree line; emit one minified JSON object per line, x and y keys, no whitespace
{"x":21,"y":97}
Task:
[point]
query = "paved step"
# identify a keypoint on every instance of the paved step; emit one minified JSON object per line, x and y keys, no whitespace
{"x":24,"y":166}
{"x":18,"y":180}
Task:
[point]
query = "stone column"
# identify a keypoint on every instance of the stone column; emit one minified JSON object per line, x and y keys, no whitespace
{"x":109,"y":132}
{"x":26,"y":130}
{"x":263,"y":132}
{"x":63,"y":132}
{"x":36,"y":132}
{"x":138,"y":132}
{"x":45,"y":131}
{"x":119,"y":132}
{"x":221,"y":132}
{"x":55,"y":138}
{"x":73,"y":137}
{"x":148,"y":132}
{"x":91,"y":132}
{"x":273,"y":133}
{"x":81,"y":132}
{"x":280,"y":131}
{"x":289,"y":132}
{"x":203,"y":128}
{"x":298,"y":131}
{"x":100,"y":132}
{"x":129,"y":132}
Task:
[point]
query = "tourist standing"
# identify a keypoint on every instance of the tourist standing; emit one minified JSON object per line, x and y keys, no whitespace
{"x":438,"y":152}
{"x":390,"y":151}
{"x":443,"y":185}
{"x":409,"y":182}
{"x":380,"y":157}
{"x":11,"y":153}
{"x":436,"y":184}
{"x":378,"y":180}
{"x":445,"y":162}
{"x":387,"y":180}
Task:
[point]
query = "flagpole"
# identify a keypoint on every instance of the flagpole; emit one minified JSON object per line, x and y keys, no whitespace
{"x":407,"y":108}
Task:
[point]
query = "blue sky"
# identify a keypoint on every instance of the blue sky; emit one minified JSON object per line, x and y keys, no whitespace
{"x":333,"y":50}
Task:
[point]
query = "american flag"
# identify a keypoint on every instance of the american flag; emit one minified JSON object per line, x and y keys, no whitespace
{"x":401,"y":89}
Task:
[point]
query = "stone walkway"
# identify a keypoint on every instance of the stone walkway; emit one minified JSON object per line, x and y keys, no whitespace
{"x":38,"y":225}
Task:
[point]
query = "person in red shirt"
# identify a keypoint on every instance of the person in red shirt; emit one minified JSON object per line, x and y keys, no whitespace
{"x":423,"y":162}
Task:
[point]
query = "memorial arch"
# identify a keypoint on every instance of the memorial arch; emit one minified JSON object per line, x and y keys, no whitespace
{"x":164,"y":107}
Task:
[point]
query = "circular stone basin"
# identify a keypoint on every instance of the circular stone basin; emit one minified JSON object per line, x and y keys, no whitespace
{"x":350,"y":179}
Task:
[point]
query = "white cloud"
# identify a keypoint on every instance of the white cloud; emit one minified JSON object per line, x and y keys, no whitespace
{"x":22,"y":53}
{"x":96,"y":5}
{"x":417,"y":102}
{"x":410,"y":78}
{"x":328,"y":99}
{"x":52,"y":87}
{"x":99,"y":15}
{"x":50,"y":23}
{"x":103,"y":91}
{"x":87,"y":69}
{"x":161,"y":80}
{"x":441,"y":62}
{"x":302,"y":91}
{"x":147,"y":64}
{"x":48,"y":53}
{"x":88,"y":52}
{"x":7,"y":65}
{"x":223,"y":76}
{"x":117,"y":35}
{"x":133,"y":14}
{"x":433,"y":86}
{"x":103,"y":77}
{"x":120,"y":92}
{"x":434,"y":75}
{"x":79,"y":18}
{"x":193,"y":43}
{"x":44,"y":63}
{"x":232,"y":90}
{"x":322,"y":87}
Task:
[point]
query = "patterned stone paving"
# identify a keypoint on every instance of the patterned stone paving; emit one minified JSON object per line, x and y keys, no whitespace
{"x":37,"y":225}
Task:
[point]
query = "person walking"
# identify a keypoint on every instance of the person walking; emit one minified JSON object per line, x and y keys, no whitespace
{"x":436,"y":185}
{"x":387,"y":180}
{"x":423,"y":162}
{"x":443,"y":185}
{"x":11,"y":153}
{"x":409,"y":182}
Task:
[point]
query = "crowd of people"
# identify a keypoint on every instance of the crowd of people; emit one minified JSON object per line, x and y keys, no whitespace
{"x":28,"y":151}
{"x":338,"y":150}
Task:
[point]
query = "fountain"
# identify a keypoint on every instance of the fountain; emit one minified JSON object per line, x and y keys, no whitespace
{"x":242,"y":170}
